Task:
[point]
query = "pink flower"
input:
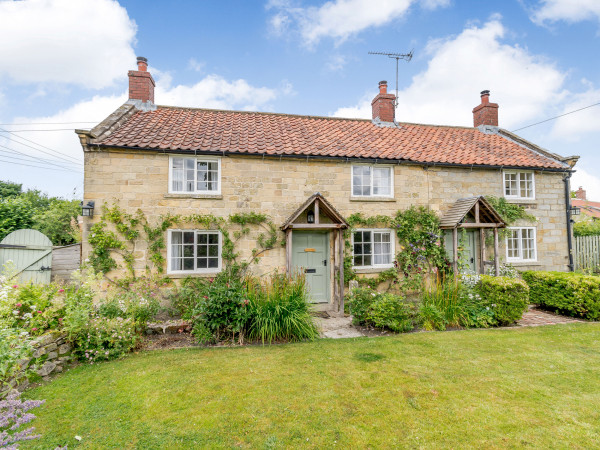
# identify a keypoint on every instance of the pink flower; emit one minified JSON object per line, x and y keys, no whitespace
{"x":34,"y":329}
{"x":15,"y":286}
{"x":39,"y":312}
{"x":61,"y":291}
{"x":206,"y":297}
{"x":60,"y":319}
{"x":18,"y":305}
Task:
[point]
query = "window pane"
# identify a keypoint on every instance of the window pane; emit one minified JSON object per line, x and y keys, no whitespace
{"x":188,"y":264}
{"x":382,"y":248}
{"x":202,"y":250}
{"x":213,"y":250}
{"x":382,"y":181}
{"x":213,"y":238}
{"x":513,"y":244}
{"x":213,"y":263}
{"x":177,"y":174}
{"x":510,"y":184}
{"x":526,"y":185}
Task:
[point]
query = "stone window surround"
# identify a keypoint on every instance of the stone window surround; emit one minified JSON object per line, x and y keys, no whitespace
{"x":372,"y":197}
{"x":373,"y":268}
{"x":520,"y":259}
{"x":196,"y":271}
{"x":518,"y":197}
{"x":196,"y":193}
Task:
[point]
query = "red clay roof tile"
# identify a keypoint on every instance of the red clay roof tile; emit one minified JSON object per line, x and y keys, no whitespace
{"x":171,"y":128}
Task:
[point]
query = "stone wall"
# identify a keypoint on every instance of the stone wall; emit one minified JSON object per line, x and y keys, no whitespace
{"x":51,"y":355}
{"x":277,"y":187}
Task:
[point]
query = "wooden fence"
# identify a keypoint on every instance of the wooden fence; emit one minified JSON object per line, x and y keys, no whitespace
{"x":65,"y":260}
{"x":587,"y":252}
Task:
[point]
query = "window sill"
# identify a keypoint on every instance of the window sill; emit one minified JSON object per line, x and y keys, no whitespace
{"x":520,"y":200}
{"x":193,"y":275}
{"x":206,"y":196}
{"x":524,"y":263}
{"x":371,"y":269}
{"x":372,"y":199}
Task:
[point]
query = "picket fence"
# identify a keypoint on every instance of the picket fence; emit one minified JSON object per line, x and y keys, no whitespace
{"x":587,"y":252}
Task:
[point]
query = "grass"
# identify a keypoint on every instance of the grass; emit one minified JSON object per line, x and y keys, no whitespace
{"x":525,"y":387}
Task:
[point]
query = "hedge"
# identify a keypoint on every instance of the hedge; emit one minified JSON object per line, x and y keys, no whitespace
{"x":568,"y":293}
{"x":507,"y":297}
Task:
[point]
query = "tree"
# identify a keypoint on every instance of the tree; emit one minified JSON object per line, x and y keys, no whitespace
{"x":16,"y":213}
{"x":55,"y":221}
{"x":9,"y":189}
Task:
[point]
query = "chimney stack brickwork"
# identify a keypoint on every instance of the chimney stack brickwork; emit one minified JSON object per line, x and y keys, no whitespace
{"x":580,"y":194}
{"x":141,"y":83}
{"x":383,"y":104}
{"x":486,"y":113}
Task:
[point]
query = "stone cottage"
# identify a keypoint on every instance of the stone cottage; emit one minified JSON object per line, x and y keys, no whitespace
{"x":309,"y":173}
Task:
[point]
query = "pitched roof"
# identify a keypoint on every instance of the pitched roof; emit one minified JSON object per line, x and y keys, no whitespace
{"x":326,"y":207}
{"x":457,"y":212}
{"x":236,"y":132}
{"x":588,"y":208}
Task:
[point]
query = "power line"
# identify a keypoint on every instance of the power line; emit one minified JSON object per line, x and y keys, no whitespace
{"x":64,"y":169}
{"x":47,"y":161}
{"x":62,"y":155}
{"x":30,"y":165}
{"x":553,"y":118}
{"x":45,"y":123}
{"x":53,"y":129}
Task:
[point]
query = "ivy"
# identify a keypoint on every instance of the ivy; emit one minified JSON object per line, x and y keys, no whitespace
{"x":131,"y":228}
{"x":510,"y":213}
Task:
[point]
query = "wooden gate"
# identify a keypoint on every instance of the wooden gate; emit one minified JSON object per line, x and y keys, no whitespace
{"x":31,"y":253}
{"x":587,"y":252}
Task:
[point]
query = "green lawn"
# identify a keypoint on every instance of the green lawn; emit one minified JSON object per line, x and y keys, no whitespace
{"x":532,"y":387}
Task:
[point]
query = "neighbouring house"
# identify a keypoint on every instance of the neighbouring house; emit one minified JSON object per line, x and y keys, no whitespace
{"x":309,"y":174}
{"x":589,"y":210}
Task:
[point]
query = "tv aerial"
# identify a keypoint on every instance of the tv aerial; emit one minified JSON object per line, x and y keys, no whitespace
{"x":397,"y":56}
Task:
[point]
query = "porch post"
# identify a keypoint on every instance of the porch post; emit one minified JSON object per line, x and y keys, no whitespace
{"x":482,"y":251}
{"x":341,"y":271}
{"x":455,"y":249}
{"x":496,"y":260}
{"x":288,"y":251}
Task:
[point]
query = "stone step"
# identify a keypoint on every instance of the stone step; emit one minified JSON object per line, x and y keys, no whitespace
{"x":168,"y":327}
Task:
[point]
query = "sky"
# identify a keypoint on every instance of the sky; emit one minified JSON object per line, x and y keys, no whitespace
{"x":67,"y":60}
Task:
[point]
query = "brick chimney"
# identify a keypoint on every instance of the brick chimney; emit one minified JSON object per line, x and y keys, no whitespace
{"x":486,"y":113}
{"x":141,"y":83}
{"x":580,"y":194}
{"x":383,"y":104}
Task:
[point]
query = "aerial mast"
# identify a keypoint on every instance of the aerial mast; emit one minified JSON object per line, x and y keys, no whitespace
{"x":397,"y":56}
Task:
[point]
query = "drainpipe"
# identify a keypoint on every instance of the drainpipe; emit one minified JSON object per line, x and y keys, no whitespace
{"x":567,"y":181}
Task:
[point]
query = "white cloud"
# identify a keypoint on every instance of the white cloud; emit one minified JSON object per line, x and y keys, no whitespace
{"x":196,"y":65}
{"x":83,"y":42}
{"x":567,"y":10}
{"x":460,"y":67}
{"x":588,"y":181}
{"x":340,"y":19}
{"x":212,"y":91}
{"x":573,"y":126}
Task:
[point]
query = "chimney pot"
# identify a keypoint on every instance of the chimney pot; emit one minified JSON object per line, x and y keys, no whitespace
{"x":383,"y":87}
{"x":486,"y":113}
{"x":581,"y":194}
{"x":142,"y":64}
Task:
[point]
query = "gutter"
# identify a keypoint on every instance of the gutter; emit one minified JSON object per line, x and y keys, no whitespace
{"x":331,"y":158}
{"x":567,"y":181}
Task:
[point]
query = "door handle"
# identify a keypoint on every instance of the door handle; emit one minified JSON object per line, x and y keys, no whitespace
{"x":325,"y":262}
{"x":472,"y":260}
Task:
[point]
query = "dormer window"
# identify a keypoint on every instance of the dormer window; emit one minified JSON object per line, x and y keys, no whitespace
{"x":519,"y":184}
{"x":372,"y":181}
{"x":194,"y":175}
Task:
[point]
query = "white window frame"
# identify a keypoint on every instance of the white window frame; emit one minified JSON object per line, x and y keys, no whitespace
{"x":520,"y":241}
{"x":371,"y":195}
{"x":392,"y":248}
{"x":518,"y":173}
{"x":195,"y":191}
{"x":214,"y":270}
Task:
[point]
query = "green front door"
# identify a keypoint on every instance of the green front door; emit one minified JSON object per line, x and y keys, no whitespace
{"x":310,"y":255}
{"x":470,"y":241}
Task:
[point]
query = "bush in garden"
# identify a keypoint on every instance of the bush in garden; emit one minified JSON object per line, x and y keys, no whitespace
{"x":369,"y":307}
{"x":279,"y":309}
{"x":508,"y":297}
{"x":15,"y":346}
{"x":14,"y":413}
{"x":103,"y":339}
{"x":568,"y":293}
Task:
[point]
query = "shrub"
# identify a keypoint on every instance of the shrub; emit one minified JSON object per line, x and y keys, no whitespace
{"x":14,"y":412}
{"x":507,"y":297}
{"x":369,"y":307}
{"x":279,"y":309}
{"x":103,"y":339}
{"x":14,"y":346}
{"x":568,"y":293}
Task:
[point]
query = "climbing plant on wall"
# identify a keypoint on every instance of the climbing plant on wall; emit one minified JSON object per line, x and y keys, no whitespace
{"x":120,"y":233}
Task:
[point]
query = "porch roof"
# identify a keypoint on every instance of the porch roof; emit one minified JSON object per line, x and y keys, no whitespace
{"x":485,"y":214}
{"x":324,"y":207}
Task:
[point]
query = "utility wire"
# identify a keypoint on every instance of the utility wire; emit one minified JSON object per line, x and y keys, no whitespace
{"x":3,"y":154}
{"x":47,"y":161}
{"x":53,"y":129}
{"x":37,"y":167}
{"x":553,"y":118}
{"x":62,"y":155}
{"x":44,"y":123}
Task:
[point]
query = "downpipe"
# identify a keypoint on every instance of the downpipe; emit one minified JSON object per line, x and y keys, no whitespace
{"x":567,"y":181}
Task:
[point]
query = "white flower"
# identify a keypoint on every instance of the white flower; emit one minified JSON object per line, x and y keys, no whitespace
{"x":373,"y":294}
